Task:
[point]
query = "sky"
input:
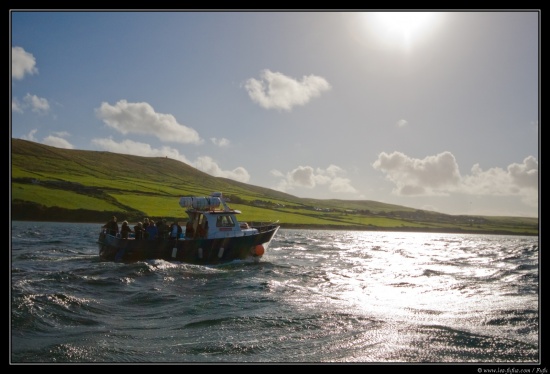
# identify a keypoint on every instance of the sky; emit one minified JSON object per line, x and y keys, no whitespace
{"x":430,"y":110}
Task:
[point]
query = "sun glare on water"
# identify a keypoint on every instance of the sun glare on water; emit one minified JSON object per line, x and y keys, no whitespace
{"x":399,"y":29}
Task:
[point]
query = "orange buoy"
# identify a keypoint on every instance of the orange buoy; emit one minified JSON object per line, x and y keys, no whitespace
{"x":259,"y":250}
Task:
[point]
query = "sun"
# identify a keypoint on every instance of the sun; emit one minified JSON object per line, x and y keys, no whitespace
{"x":399,"y":29}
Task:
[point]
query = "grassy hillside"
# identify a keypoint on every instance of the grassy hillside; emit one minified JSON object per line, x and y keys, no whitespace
{"x":55,"y":184}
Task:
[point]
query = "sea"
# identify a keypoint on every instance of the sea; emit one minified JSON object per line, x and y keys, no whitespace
{"x":316,"y":297}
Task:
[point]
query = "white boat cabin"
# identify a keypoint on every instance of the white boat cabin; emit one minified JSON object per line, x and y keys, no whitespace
{"x":208,"y":220}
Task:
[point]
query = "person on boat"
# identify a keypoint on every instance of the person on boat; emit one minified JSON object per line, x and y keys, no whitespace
{"x":175,"y":230}
{"x":111,"y":226}
{"x":152,"y":231}
{"x":189,"y":229}
{"x":139,"y":231}
{"x":202,"y":230}
{"x":162,"y":228}
{"x":125,"y":230}
{"x":145,"y":225}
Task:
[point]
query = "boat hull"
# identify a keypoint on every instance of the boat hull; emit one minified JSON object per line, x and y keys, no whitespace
{"x":194,"y":251}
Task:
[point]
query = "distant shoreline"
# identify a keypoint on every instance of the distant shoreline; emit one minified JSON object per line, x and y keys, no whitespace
{"x":405,"y":229}
{"x":348,"y":228}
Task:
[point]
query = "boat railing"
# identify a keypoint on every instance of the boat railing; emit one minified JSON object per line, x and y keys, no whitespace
{"x":264,"y":226}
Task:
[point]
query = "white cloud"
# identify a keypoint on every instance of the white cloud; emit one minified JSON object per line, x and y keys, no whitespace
{"x":37,"y":104}
{"x":277,"y":173}
{"x":131,"y":147}
{"x":439,"y":175}
{"x":332,"y":171}
{"x":22,"y":63}
{"x":341,"y":185}
{"x":208,"y":165}
{"x":332,"y":176}
{"x":62,"y":134}
{"x":141,"y":118}
{"x":58,"y":142}
{"x":402,"y":123}
{"x":30,"y":136}
{"x":517,"y":179}
{"x":16,"y":106}
{"x":203,"y":163}
{"x":278,"y":91}
{"x":433,"y":175}
{"x":302,"y":176}
{"x":223,"y":142}
{"x":526,"y":174}
{"x":307,"y":177}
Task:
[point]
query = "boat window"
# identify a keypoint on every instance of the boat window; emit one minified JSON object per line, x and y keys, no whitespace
{"x":225,"y":221}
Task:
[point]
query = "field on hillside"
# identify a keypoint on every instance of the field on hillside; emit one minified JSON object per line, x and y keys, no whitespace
{"x":55,"y":184}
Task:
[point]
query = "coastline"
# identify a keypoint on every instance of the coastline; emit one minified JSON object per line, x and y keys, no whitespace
{"x":342,"y":228}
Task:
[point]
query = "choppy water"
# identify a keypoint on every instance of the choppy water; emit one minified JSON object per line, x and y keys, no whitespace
{"x":315,"y":297}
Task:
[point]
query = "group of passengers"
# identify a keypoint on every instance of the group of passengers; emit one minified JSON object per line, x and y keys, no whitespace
{"x":146,"y":230}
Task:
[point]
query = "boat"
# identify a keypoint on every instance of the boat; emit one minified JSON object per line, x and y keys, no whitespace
{"x":212,"y":235}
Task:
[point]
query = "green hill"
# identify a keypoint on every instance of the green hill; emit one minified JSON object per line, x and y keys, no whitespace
{"x":55,"y":184}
